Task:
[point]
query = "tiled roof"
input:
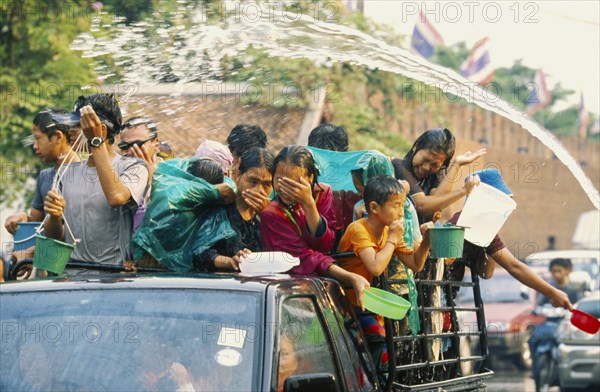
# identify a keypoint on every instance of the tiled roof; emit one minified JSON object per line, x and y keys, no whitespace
{"x":184,"y":120}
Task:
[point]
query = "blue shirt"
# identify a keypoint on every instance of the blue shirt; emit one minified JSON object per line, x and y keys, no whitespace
{"x":44,"y":184}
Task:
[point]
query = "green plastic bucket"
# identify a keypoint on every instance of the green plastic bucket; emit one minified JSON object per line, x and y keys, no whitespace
{"x":385,"y":303}
{"x":446,"y":241}
{"x":51,"y":255}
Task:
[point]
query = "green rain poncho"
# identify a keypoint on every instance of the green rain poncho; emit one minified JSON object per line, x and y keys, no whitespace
{"x":181,"y":221}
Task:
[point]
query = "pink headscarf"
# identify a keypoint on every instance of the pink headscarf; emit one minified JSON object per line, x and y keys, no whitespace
{"x":209,"y":149}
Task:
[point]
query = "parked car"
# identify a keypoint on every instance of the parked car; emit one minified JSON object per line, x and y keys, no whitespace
{"x":508,"y":309}
{"x":579,"y":352}
{"x":227,"y":332}
{"x":586,"y":265}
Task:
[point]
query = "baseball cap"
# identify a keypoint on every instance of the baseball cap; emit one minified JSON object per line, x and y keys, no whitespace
{"x":105,"y":106}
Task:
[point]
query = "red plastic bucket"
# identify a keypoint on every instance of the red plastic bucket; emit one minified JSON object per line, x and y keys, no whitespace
{"x":585,"y":322}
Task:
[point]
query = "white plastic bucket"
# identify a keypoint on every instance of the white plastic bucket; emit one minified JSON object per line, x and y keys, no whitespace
{"x":484,"y":213}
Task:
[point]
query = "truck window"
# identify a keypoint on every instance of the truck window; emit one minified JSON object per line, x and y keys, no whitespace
{"x":352,"y":342}
{"x":303,"y":345}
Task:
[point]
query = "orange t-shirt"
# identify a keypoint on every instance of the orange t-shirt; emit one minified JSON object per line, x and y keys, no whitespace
{"x":358,"y":236}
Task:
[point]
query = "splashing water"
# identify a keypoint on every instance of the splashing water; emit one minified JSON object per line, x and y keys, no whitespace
{"x":188,"y":54}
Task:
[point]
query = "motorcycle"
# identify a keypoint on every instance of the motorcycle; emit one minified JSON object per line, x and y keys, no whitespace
{"x":544,"y":348}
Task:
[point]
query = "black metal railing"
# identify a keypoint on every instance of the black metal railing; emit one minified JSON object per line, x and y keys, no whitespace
{"x":413,"y":365}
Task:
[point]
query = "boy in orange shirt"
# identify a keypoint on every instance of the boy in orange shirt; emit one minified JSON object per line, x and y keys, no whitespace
{"x":374,"y":240}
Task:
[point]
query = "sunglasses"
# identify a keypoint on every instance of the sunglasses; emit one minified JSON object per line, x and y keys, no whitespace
{"x":139,"y":143}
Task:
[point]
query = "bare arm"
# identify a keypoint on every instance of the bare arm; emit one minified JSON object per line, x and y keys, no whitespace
{"x":428,"y":204}
{"x":453,"y":171}
{"x":358,"y":282}
{"x":415,"y":261}
{"x":115,"y":191}
{"x":54,"y":205}
{"x":525,"y":275}
{"x":34,"y":215}
{"x":377,"y":262}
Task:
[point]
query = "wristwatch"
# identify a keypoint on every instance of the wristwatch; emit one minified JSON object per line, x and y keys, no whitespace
{"x":96,"y":141}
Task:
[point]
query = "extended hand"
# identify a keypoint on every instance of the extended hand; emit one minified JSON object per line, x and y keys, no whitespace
{"x":359,"y":284}
{"x":561,"y":299}
{"x":469,"y":157}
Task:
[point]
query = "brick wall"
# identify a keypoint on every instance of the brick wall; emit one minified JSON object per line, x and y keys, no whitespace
{"x":548,"y":196}
{"x":185,"y":120}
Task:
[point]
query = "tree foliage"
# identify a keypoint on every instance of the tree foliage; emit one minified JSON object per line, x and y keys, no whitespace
{"x":38,"y":71}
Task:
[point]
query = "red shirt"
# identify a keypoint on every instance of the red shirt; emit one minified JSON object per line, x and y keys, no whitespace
{"x":285,"y":230}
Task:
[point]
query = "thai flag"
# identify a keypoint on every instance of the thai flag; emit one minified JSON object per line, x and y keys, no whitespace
{"x":583,"y":120}
{"x":425,"y":37}
{"x":540,"y":96}
{"x":477,"y":66}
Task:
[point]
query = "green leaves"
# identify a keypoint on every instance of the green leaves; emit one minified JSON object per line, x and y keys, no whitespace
{"x":38,"y":71}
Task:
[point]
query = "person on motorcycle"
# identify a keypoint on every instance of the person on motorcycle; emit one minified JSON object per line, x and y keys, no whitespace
{"x":560,"y":269}
{"x":542,"y":341}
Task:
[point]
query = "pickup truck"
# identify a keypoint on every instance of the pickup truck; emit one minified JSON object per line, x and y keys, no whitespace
{"x":226,"y":332}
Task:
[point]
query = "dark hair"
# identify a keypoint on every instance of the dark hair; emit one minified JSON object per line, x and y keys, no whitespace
{"x":243,"y":137}
{"x":207,"y":169}
{"x":379,"y":189}
{"x":165,"y":151}
{"x":43,"y":120}
{"x":136,"y":121}
{"x":329,"y":137}
{"x":257,"y":157}
{"x":439,"y":140}
{"x":107,"y":109}
{"x":298,"y":156}
{"x":565,"y":263}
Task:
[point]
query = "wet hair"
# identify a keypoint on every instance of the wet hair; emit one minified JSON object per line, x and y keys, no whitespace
{"x":137,"y":121}
{"x":380,"y":189}
{"x":565,"y":263}
{"x":243,"y":137}
{"x":440,"y":141}
{"x":165,"y":151}
{"x":107,"y":109}
{"x":257,"y":157}
{"x":207,"y":169}
{"x":43,"y":120}
{"x":298,"y":156}
{"x":329,"y":137}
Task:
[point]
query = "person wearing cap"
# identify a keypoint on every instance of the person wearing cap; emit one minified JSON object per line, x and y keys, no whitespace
{"x":51,"y":145}
{"x":98,"y":197}
{"x":496,"y":252}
